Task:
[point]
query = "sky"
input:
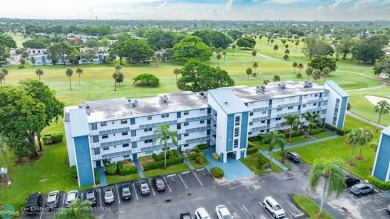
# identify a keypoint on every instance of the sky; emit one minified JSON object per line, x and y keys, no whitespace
{"x":301,"y":10}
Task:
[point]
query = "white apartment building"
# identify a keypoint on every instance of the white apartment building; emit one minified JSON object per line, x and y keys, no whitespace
{"x":118,"y":129}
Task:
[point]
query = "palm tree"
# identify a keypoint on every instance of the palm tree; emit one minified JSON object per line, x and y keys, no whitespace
{"x":309,"y":72}
{"x":5,"y":72}
{"x":79,"y":71}
{"x":254,"y":53}
{"x":353,"y":139}
{"x":290,"y":120}
{"x":163,"y":134}
{"x":69,"y":73}
{"x":219,"y":56}
{"x":312,"y":118}
{"x":296,"y":45}
{"x":316,"y":74}
{"x":285,"y":57}
{"x":334,"y":178}
{"x":255,"y":65}
{"x":300,"y":66}
{"x":39,"y":73}
{"x":234,"y":48}
{"x":2,"y":76}
{"x":78,"y":210}
{"x":224,"y":55}
{"x":276,"y":48}
{"x":249,"y":72}
{"x":276,"y":78}
{"x":273,"y":138}
{"x":294,"y":64}
{"x":366,"y":136}
{"x":325,"y":72}
{"x":115,"y":76}
{"x":176,"y":71}
{"x":118,"y":68}
{"x":383,"y":107}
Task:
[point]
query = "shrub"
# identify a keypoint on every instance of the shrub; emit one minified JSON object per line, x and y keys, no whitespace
{"x":97,"y":177}
{"x":197,"y":149}
{"x":159,"y":164}
{"x":203,"y":146}
{"x":199,"y":160}
{"x":251,"y":144}
{"x":335,"y":129}
{"x":251,"y":151}
{"x":215,"y":156}
{"x":126,"y":170}
{"x":111,"y":169}
{"x":261,"y":161}
{"x":349,"y":106}
{"x":255,"y":138}
{"x":21,"y":66}
{"x":52,"y":138}
{"x":217,"y":172}
{"x":378,"y":183}
{"x":192,"y":156}
{"x":315,"y":131}
{"x":146,"y":80}
{"x":73,"y":172}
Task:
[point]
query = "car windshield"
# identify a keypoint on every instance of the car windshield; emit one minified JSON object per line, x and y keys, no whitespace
{"x":277,"y":207}
{"x":126,"y":191}
{"x":144,"y":187}
{"x":90,"y":195}
{"x":108,"y":193}
{"x":51,"y":198}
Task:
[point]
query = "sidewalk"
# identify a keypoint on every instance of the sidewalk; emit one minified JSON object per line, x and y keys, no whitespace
{"x":187,"y":161}
{"x":139,"y":169}
{"x":102,"y":175}
{"x":273,"y":160}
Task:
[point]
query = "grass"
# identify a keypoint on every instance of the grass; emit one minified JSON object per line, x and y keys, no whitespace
{"x":310,"y":207}
{"x":276,"y":156}
{"x":169,"y":170}
{"x":199,"y":166}
{"x":297,"y":140}
{"x":322,"y":135}
{"x":112,"y":179}
{"x":251,"y":162}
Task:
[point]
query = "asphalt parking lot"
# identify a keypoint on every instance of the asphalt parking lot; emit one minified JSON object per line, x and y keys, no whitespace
{"x":187,"y":191}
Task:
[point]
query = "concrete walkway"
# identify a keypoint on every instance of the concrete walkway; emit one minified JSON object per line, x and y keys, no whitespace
{"x":139,"y":169}
{"x":273,"y":160}
{"x":102,"y":175}
{"x":365,"y":120}
{"x":187,"y":161}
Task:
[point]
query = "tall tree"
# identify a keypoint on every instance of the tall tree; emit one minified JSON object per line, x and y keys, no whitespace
{"x":246,"y":42}
{"x":191,"y":47}
{"x":316,"y":74}
{"x":224,"y":55}
{"x":276,"y":49}
{"x":300,"y":66}
{"x":39,"y":72}
{"x":311,"y":118}
{"x":309,"y":72}
{"x":370,"y":49}
{"x":69,"y":74}
{"x":273,"y":138}
{"x":78,"y":210}
{"x":255,"y":66}
{"x":115,"y":76}
{"x":59,"y":51}
{"x":254,"y":53}
{"x":79,"y":71}
{"x":286,"y":57}
{"x":294,"y":64}
{"x":2,"y":76}
{"x":291,"y":120}
{"x":383,"y":66}
{"x":176,"y":71}
{"x":234,"y":48}
{"x":325,"y":72}
{"x":334,"y":177}
{"x":219,"y":56}
{"x":5,"y":72}
{"x":320,"y":62}
{"x":249,"y":72}
{"x":164,"y":134}
{"x":382,"y":107}
{"x":213,"y":38}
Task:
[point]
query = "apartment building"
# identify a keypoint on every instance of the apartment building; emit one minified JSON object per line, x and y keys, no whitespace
{"x":381,"y":169}
{"x":118,"y":129}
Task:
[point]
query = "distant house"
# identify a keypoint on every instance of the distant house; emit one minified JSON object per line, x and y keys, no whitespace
{"x":100,"y":54}
{"x":14,"y":58}
{"x":381,"y":168}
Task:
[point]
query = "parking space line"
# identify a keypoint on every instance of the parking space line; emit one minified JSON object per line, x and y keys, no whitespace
{"x":250,"y":215}
{"x":183,"y":182}
{"x":167,"y":184}
{"x":197,"y":178}
{"x":40,"y":217}
{"x":171,"y":175}
{"x":185,"y":172}
{"x":380,"y":209}
{"x":117,"y":191}
{"x":135,"y":191}
{"x":100,"y":197}
{"x":150,"y":183}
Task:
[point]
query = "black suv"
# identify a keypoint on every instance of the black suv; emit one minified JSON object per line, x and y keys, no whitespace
{"x":34,"y":203}
{"x":125,"y":191}
{"x":351,"y":180}
{"x":90,"y":195}
{"x":293,"y":156}
{"x":159,"y":184}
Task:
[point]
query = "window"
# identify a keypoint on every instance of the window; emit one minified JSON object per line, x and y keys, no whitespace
{"x":95,"y":139}
{"x":148,"y":141}
{"x":237,"y":120}
{"x":125,"y":145}
{"x":201,"y":121}
{"x":148,"y":130}
{"x":279,"y":109}
{"x":304,"y":105}
{"x":249,"y":133}
{"x":165,"y":115}
{"x":149,"y":118}
{"x":315,"y":95}
{"x":186,"y":134}
{"x":94,"y":126}
{"x":263,"y":121}
{"x":126,"y":156}
{"x":104,"y":136}
{"x":251,"y":113}
{"x":134,"y":145}
{"x":186,"y":112}
{"x":125,"y":133}
{"x":185,"y":124}
{"x":290,"y":107}
{"x":103,"y":124}
{"x":106,"y":149}
{"x":113,"y":123}
{"x":250,"y":123}
{"x":185,"y":145}
{"x":236,"y":132}
{"x":97,"y":151}
{"x":264,"y":112}
{"x":133,"y":133}
{"x":235,"y":143}
{"x":314,"y":104}
{"x":124,"y":121}
{"x":279,"y":118}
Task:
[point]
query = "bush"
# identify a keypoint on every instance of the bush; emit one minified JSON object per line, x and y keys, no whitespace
{"x":349,"y":106}
{"x":335,"y":129}
{"x":255,"y":138}
{"x":215,"y":156}
{"x":315,"y":131}
{"x":251,"y":151}
{"x":197,"y":149}
{"x":73,"y":172}
{"x":126,"y":170}
{"x":146,"y":80}
{"x":159,"y":164}
{"x":160,"y":156}
{"x":217,"y":172}
{"x":203,"y":146}
{"x":378,"y":183}
{"x":251,"y":144}
{"x":261,"y":161}
{"x":111,"y":169}
{"x":97,"y":177}
{"x":21,"y":66}
{"x":52,"y":138}
{"x":199,"y":160}
{"x":192,"y":156}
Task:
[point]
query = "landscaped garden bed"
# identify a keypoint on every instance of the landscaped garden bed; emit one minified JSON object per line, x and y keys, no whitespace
{"x":155,"y":164}
{"x":196,"y":156}
{"x":258,"y":164}
{"x":120,"y":171}
{"x":310,"y":207}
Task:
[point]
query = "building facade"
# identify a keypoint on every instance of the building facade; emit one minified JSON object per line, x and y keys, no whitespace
{"x":381,"y":168}
{"x":118,"y":129}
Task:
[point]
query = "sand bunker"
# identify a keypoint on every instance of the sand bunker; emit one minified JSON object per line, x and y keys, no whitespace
{"x":375,"y":99}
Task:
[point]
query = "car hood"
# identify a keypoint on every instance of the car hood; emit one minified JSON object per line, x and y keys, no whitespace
{"x":279,"y":212}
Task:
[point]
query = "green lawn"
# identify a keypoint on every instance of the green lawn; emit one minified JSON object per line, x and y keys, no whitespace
{"x":310,"y":207}
{"x":251,"y":162}
{"x":276,"y":156}
{"x":169,"y":170}
{"x":298,"y":139}
{"x":322,"y":135}
{"x":198,"y":166}
{"x":112,"y":179}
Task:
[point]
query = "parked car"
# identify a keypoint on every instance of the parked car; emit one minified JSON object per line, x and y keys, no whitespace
{"x":125,"y":191}
{"x":222,"y":212}
{"x":159,"y":184}
{"x":351,"y":180}
{"x":361,"y":189}
{"x":293,"y":156}
{"x":71,"y":197}
{"x":53,"y":200}
{"x":186,"y":215}
{"x":108,"y":195}
{"x":90,"y":195}
{"x":388,"y":209}
{"x":273,"y":207}
{"x":34,"y":203}
{"x":143,"y":187}
{"x":201,"y":213}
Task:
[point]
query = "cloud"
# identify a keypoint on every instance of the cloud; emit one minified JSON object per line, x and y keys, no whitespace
{"x":229,"y":5}
{"x":336,"y":3}
{"x":163,"y":4}
{"x":281,"y":2}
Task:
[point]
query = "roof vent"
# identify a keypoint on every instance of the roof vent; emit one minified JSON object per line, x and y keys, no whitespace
{"x":308,"y":84}
{"x":260,"y":89}
{"x":282,"y":85}
{"x":132,"y":103}
{"x":164,"y":99}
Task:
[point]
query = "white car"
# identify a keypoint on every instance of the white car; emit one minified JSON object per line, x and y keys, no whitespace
{"x":201,"y":213}
{"x":222,"y":212}
{"x":71,"y":197}
{"x":273,"y":207}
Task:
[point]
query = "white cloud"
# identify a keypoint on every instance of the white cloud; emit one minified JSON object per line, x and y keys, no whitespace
{"x":281,"y":2}
{"x":229,"y":5}
{"x":336,"y":3}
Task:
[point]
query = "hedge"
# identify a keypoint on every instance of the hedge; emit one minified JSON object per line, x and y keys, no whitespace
{"x":197,"y":149}
{"x":215,"y":156}
{"x":73,"y":172}
{"x":203,"y":146}
{"x":111,"y":169}
{"x":255,"y":138}
{"x":378,"y":183}
{"x":251,"y":144}
{"x":217,"y":172}
{"x":97,"y":177}
{"x":52,"y":138}
{"x":315,"y":131}
{"x":126,"y":170}
{"x":159,"y":164}
{"x":251,"y":151}
{"x":160,"y":156}
{"x":192,"y":156}
{"x":335,"y":129}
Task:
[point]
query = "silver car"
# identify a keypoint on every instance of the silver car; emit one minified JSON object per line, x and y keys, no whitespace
{"x":108,"y":195}
{"x":71,"y":197}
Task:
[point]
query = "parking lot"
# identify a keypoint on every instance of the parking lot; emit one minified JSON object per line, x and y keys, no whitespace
{"x":187,"y":191}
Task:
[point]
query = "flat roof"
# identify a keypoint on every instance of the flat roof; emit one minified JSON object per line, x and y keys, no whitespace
{"x":386,"y":131}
